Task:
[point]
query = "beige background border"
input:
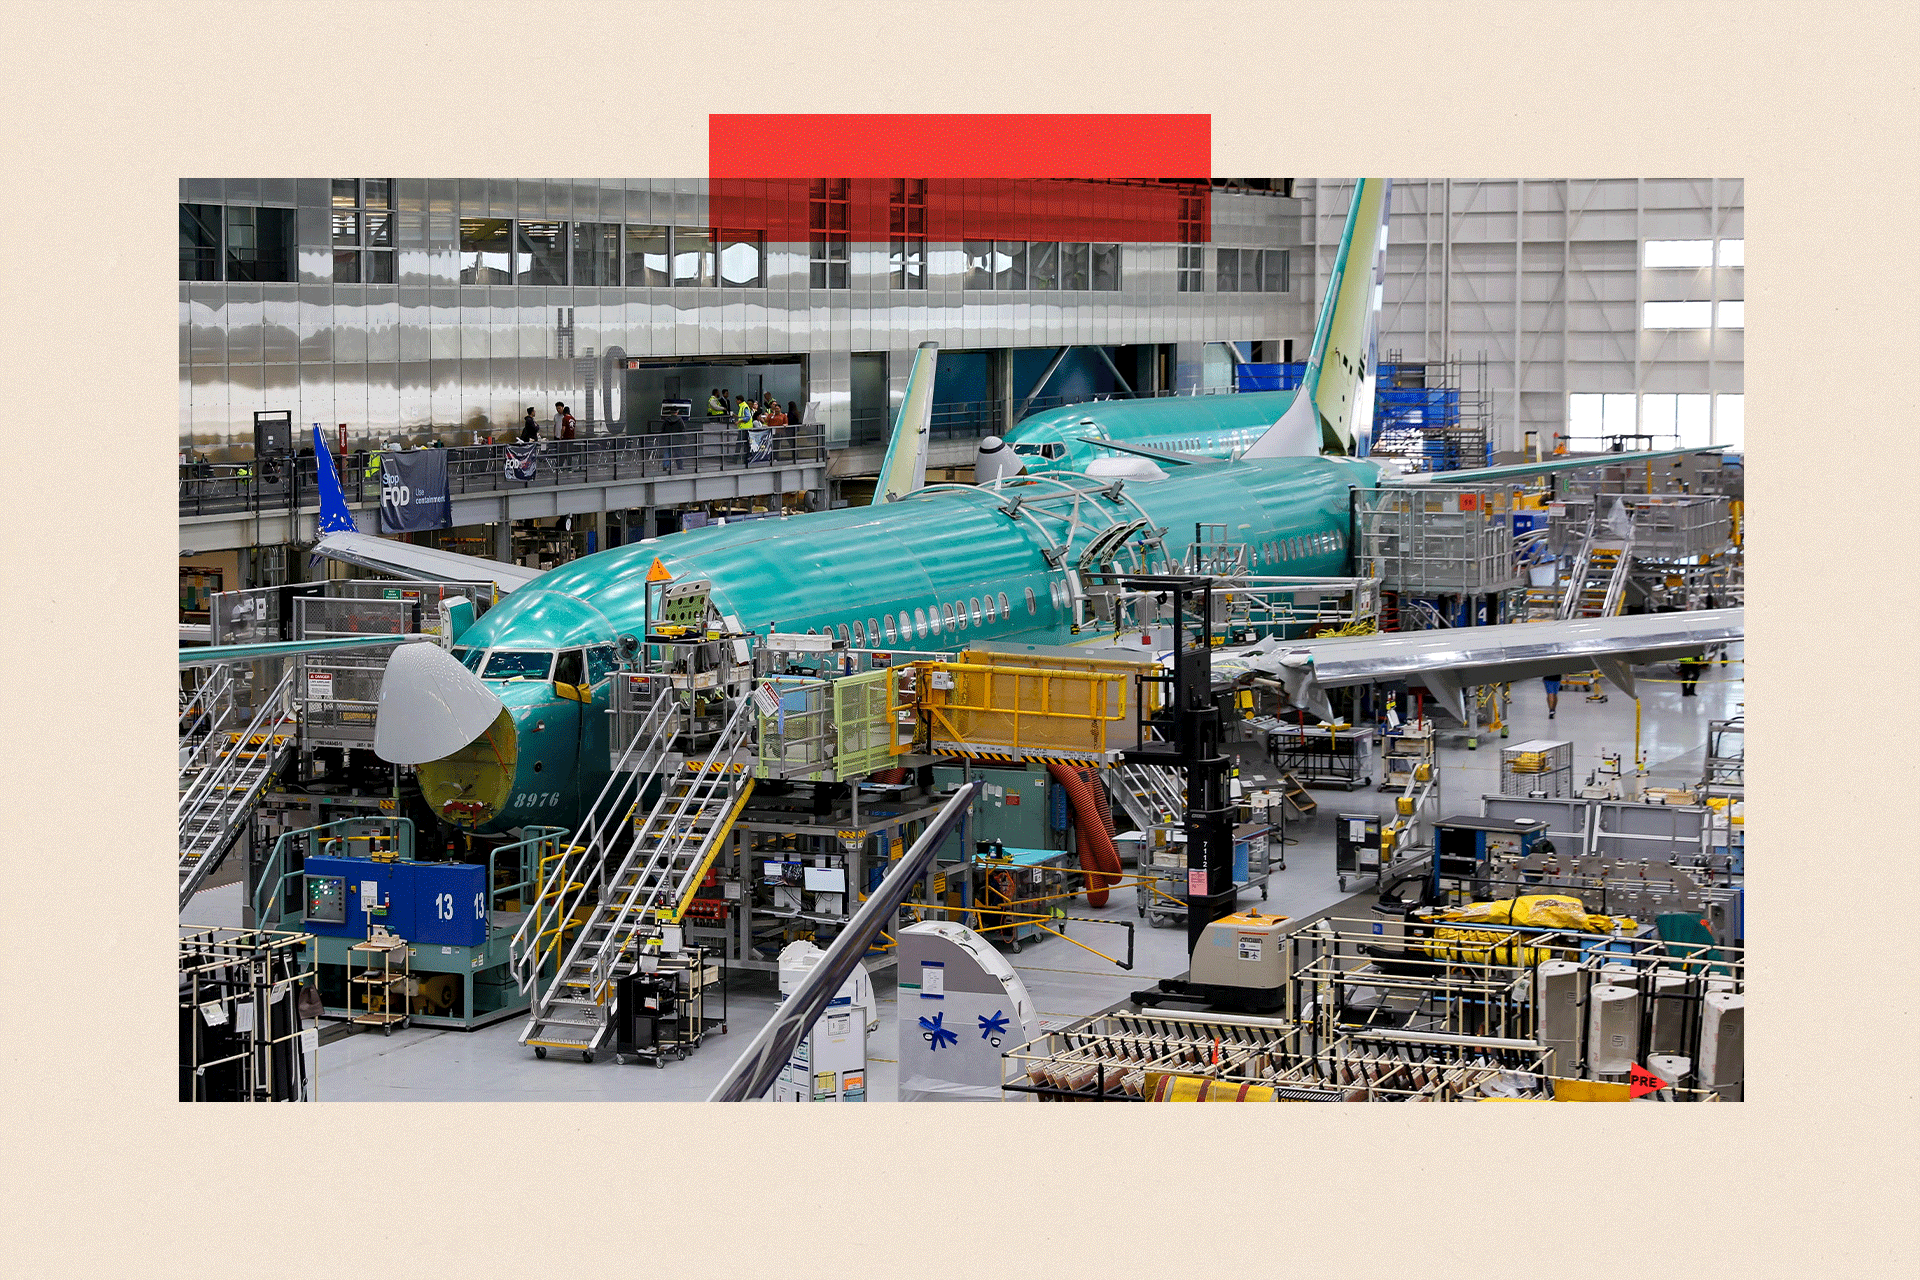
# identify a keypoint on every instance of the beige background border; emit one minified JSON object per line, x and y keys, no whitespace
{"x":109,"y":104}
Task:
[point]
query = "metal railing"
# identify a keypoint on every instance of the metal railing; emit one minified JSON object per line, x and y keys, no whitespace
{"x":565,"y":875}
{"x":221,"y":489}
{"x":269,"y":898}
{"x":205,"y":716}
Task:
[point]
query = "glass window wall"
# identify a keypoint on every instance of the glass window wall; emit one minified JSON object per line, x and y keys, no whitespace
{"x":199,"y":242}
{"x":596,"y":253}
{"x":540,"y":253}
{"x":260,"y":244}
{"x":486,"y":246}
{"x":648,"y":260}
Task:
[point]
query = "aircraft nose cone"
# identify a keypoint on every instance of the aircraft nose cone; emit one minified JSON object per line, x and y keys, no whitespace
{"x":994,"y":461}
{"x":430,"y":706}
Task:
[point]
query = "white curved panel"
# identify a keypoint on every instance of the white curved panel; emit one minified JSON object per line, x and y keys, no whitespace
{"x":430,"y":706}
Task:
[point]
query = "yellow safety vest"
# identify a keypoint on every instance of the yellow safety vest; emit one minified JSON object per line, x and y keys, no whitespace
{"x":746,"y":415}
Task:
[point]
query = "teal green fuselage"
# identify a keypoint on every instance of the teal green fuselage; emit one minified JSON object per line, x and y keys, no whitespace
{"x":1207,"y":426}
{"x":946,"y":558}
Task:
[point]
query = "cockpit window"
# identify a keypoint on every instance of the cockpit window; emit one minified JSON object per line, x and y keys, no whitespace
{"x":1027,"y":450}
{"x":505,"y":664}
{"x":470,"y":658}
{"x":600,"y":663}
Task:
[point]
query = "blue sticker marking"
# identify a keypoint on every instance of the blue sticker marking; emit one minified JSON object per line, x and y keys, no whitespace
{"x":936,"y":1034}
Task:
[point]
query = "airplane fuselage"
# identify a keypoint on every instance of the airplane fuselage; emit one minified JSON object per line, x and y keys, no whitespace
{"x":1217,"y":426}
{"x":935,"y":570}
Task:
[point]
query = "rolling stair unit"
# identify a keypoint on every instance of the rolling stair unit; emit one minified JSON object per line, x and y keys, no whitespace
{"x":1598,"y":586}
{"x":220,"y":797}
{"x":1152,"y":795}
{"x":658,"y":868}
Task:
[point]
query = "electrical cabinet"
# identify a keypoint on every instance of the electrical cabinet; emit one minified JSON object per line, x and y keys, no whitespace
{"x":430,"y":903}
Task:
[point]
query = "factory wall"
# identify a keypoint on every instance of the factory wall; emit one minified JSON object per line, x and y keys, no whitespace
{"x":1549,"y":279}
{"x":427,"y":356}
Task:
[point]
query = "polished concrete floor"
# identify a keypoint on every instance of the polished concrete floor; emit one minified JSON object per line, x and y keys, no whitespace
{"x":1064,"y":981}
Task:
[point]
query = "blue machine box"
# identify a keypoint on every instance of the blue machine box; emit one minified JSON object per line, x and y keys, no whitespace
{"x":436,"y":903}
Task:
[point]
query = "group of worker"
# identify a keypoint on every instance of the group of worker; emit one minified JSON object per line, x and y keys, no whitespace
{"x":746,"y":413}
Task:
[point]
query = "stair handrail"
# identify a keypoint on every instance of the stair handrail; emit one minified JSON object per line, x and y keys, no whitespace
{"x":274,"y":711}
{"x":213,"y":703}
{"x":1570,"y":598}
{"x":573,"y":878}
{"x":1617,"y":584}
{"x":670,"y":847}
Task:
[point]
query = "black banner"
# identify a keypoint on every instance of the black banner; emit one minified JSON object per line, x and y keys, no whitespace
{"x":522,"y":459}
{"x":413,"y":491}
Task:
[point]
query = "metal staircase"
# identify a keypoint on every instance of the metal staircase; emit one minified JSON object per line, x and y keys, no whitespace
{"x":1152,"y":795}
{"x":656,"y":864}
{"x":220,"y":796}
{"x":1598,"y":586}
{"x":205,"y":716}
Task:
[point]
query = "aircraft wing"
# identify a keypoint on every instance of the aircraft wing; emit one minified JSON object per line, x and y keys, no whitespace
{"x":1158,"y":455}
{"x":1512,"y":470}
{"x":214,"y":655}
{"x":1452,"y":660}
{"x":426,"y":564}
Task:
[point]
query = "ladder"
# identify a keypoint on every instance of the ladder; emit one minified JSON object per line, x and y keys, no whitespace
{"x":1598,"y":586}
{"x":659,"y":867}
{"x":1152,"y":795}
{"x":220,"y":797}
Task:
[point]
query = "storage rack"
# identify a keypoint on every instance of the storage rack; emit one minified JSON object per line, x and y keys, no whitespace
{"x":241,"y":1038}
{"x":1538,"y":767}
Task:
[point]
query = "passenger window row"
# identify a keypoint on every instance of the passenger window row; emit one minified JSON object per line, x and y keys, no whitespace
{"x":918,"y":623}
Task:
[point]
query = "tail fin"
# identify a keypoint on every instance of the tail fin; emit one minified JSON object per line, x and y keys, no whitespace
{"x":1326,"y":410}
{"x":334,"y":516}
{"x":904,"y":469}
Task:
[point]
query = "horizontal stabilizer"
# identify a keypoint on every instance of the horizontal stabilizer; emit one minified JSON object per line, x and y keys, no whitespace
{"x":1158,"y":455}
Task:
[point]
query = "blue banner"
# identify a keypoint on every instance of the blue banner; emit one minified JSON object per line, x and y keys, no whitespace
{"x":522,"y":459}
{"x":759,"y":445}
{"x":413,"y":491}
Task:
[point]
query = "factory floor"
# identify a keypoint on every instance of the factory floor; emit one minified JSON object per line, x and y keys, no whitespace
{"x":1064,"y":981}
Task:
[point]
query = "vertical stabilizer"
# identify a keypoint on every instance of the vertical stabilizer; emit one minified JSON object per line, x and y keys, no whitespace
{"x":334,"y":516}
{"x":904,"y":469}
{"x":1325,"y":413}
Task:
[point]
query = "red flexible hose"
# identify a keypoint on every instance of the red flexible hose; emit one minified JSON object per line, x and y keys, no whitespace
{"x":1097,"y":856}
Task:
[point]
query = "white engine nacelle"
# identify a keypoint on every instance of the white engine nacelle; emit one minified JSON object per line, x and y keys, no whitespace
{"x":995,"y":461}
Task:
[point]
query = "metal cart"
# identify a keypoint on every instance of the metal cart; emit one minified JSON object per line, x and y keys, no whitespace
{"x":663,"y":1013}
{"x":1323,"y":755}
{"x":379,"y":984}
{"x":1002,"y":874}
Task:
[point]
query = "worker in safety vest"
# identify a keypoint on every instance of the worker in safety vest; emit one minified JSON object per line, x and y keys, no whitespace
{"x":743,"y":416}
{"x":716,"y":407}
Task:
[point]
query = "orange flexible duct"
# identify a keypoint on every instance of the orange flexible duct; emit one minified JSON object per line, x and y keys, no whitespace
{"x":1098,"y":791}
{"x":1097,"y":856}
